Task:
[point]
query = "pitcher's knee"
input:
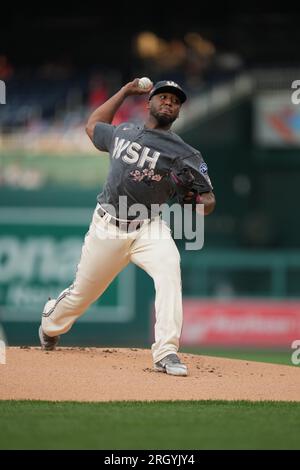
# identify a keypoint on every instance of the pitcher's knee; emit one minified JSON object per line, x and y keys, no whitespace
{"x":168,"y":274}
{"x":171,"y":264}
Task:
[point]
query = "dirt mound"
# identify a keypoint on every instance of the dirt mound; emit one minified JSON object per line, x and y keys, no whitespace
{"x":94,"y":374}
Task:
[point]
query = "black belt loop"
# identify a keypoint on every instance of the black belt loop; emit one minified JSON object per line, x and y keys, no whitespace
{"x":127,"y":224}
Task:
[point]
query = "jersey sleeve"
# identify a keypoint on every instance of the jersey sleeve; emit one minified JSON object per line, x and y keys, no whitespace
{"x":103,"y":134}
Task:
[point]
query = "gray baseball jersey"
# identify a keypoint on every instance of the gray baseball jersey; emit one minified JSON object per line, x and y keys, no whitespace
{"x":140,"y":164}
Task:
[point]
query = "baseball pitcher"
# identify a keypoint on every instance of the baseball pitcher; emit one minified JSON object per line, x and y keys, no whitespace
{"x":149,"y":164}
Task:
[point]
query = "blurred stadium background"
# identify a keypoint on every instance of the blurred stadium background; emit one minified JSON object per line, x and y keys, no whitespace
{"x":242,"y":289}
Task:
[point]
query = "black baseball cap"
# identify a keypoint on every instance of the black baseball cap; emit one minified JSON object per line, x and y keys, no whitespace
{"x":171,"y":87}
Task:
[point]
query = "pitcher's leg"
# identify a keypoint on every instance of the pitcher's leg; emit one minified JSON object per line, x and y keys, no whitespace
{"x":160,"y":258}
{"x":101,"y":260}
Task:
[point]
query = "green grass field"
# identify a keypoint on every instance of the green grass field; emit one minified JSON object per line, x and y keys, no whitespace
{"x":87,"y":170}
{"x":193,"y":425}
{"x":152,"y":425}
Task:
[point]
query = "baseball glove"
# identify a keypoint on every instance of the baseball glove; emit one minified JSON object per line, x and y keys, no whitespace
{"x":189,"y":185}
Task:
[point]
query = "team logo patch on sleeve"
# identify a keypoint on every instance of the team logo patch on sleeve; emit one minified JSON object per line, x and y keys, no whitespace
{"x":203,"y":168}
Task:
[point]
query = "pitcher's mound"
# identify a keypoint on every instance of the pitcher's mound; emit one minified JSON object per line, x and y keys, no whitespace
{"x":102,"y":374}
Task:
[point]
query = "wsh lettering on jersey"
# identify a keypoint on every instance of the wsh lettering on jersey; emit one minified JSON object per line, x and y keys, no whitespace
{"x":134,"y":153}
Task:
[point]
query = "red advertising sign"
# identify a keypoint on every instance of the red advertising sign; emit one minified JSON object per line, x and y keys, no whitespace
{"x":240,"y":322}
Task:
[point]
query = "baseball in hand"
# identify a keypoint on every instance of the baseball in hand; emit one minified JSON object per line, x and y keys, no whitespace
{"x":144,"y":82}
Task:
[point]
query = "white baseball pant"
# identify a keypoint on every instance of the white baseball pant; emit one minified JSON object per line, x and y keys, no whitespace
{"x":105,"y":252}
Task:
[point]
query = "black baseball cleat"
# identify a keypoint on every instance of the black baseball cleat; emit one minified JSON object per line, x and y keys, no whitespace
{"x":48,"y":343}
{"x":172,"y":365}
